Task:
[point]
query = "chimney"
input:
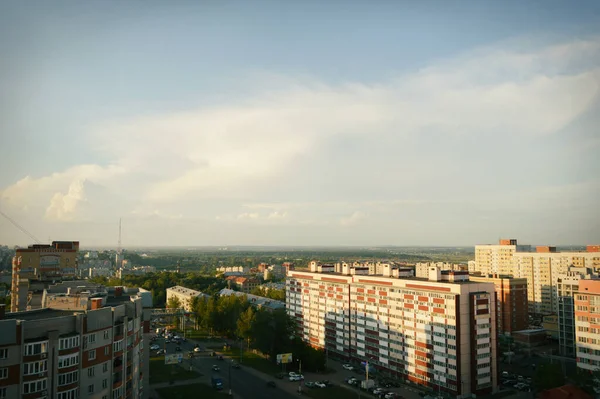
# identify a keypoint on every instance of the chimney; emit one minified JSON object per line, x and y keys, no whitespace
{"x":96,"y":303}
{"x":118,"y":291}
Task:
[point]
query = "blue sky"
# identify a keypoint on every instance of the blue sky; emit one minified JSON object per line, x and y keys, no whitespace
{"x":352,"y":123}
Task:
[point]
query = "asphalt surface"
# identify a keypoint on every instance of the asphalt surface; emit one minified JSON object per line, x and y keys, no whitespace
{"x":243,"y":384}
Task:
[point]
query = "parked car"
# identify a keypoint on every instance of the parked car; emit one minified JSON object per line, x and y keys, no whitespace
{"x":197,"y":349}
{"x":216,"y":368}
{"x":271,"y":384}
{"x":348,"y":367}
{"x":280,"y":375}
{"x":236,"y":366}
{"x":178,"y":349}
{"x":154,"y":347}
{"x":320,"y":385}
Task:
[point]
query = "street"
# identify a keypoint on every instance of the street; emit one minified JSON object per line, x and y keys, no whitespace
{"x":244,"y":383}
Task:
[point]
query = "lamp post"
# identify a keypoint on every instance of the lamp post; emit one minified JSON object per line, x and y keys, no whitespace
{"x":230,"y":393}
{"x":299,"y":372}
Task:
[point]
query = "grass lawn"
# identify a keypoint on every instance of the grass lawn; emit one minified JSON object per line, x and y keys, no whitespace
{"x":253,"y":360}
{"x":161,"y":372}
{"x":328,"y":393}
{"x":191,"y":391}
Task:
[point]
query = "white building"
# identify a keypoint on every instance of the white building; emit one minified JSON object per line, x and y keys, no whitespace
{"x":587,"y":325}
{"x":422,"y":269}
{"x":184,"y":295}
{"x":438,"y":332}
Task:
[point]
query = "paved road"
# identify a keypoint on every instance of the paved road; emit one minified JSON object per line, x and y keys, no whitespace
{"x":244,"y":383}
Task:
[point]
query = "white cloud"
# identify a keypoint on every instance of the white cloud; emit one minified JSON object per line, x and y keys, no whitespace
{"x":225,"y":162}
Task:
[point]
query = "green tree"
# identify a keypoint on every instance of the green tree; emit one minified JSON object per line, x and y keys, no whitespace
{"x":549,"y":376}
{"x":245,"y":322}
{"x":173,"y":303}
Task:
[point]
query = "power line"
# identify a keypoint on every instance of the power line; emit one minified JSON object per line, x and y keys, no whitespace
{"x":20,"y":227}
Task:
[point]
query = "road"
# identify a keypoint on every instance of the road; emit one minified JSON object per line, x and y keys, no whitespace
{"x":244,"y":383}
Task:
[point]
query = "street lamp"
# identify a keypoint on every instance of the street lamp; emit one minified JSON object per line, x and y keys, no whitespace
{"x":230,"y":393}
{"x":299,"y":372}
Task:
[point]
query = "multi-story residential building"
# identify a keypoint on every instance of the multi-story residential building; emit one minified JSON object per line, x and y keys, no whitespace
{"x":184,"y":296}
{"x":512,"y":312}
{"x":541,"y":268}
{"x":422,"y":269}
{"x":274,"y":271}
{"x":259,"y":302}
{"x":243,"y":284}
{"x":587,"y":324}
{"x":37,"y":266}
{"x":567,"y":286}
{"x":135,"y":271}
{"x":438,"y":332}
{"x":88,"y":343}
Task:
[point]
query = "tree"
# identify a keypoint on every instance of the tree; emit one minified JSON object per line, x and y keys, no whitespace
{"x":173,"y":303}
{"x":549,"y":376}
{"x":245,"y":322}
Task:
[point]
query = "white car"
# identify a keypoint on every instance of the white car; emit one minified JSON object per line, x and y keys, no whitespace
{"x":348,"y":367}
{"x":197,"y":350}
{"x":154,"y":347}
{"x":292,"y":374}
{"x":320,"y":385}
{"x":297,"y":377}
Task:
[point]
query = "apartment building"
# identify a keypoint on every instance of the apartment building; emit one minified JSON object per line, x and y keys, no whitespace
{"x":243,"y":284}
{"x":511,"y":293}
{"x":438,"y":331}
{"x":184,"y":296}
{"x":587,"y":324}
{"x":88,"y":343}
{"x":567,"y":286}
{"x":422,"y":268}
{"x":258,"y":302}
{"x":541,"y":268}
{"x":37,"y":266}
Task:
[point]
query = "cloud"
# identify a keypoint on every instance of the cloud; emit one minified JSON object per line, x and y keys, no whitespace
{"x":309,"y":152}
{"x":353,"y":219}
{"x":64,"y":206}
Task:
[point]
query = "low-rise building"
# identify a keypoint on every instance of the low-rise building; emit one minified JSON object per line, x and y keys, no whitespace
{"x":184,"y":296}
{"x":256,"y":301}
{"x":243,"y":284}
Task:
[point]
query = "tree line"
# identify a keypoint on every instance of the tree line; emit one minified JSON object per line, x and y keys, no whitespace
{"x":270,"y":332}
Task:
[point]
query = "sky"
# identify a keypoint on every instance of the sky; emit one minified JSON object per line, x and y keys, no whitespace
{"x":300,"y":123}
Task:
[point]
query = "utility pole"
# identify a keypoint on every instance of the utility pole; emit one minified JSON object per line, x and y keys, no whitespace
{"x":230,"y":393}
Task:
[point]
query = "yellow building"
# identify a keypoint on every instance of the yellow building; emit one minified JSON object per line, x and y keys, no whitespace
{"x":35,"y":266}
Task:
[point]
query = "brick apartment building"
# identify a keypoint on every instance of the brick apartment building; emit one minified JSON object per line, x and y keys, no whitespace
{"x":438,"y":331}
{"x":88,"y":342}
{"x":512,"y":311}
{"x":587,"y":324}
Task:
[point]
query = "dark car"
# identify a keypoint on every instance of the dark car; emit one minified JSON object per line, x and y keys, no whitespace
{"x":221,"y":357}
{"x":280,"y":375}
{"x":236,"y":366}
{"x":271,"y":384}
{"x":178,"y":349}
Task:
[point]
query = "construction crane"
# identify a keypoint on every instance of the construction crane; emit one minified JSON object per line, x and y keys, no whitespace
{"x":20,"y":227}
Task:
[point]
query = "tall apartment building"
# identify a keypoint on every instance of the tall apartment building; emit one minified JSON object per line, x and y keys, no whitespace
{"x":541,"y":268}
{"x":511,"y":293}
{"x":88,"y":343}
{"x":587,"y":324}
{"x":438,"y":332}
{"x":37,"y":266}
{"x":567,"y":286}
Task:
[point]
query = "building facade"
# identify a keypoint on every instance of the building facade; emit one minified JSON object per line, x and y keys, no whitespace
{"x":91,"y":346}
{"x":184,"y":296}
{"x":438,"y":332}
{"x":35,"y":267}
{"x":587,"y":325}
{"x":512,"y":312}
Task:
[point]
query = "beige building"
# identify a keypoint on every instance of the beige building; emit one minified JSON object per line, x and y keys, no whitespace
{"x":90,"y":342}
{"x":438,"y":331}
{"x":542,"y":268}
{"x":422,"y":269}
{"x":37,"y":266}
{"x":184,"y":296}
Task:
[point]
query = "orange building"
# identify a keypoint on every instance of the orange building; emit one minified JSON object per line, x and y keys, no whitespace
{"x":587,"y":324}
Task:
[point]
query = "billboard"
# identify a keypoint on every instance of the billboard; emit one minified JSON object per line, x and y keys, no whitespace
{"x":174,"y":358}
{"x":283,"y":358}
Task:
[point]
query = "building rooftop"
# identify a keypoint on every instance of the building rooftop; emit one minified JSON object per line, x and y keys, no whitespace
{"x":186,"y":291}
{"x":256,"y":300}
{"x":565,"y":392}
{"x":39,"y":314}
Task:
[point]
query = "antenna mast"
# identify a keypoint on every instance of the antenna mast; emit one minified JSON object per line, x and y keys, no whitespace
{"x":20,"y":227}
{"x":119,"y":249}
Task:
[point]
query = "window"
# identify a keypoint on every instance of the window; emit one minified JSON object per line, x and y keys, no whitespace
{"x":106,"y":334}
{"x":91,"y":388}
{"x":35,"y":367}
{"x":92,"y":354}
{"x":68,"y":343}
{"x":68,"y":360}
{"x":106,"y":350}
{"x":3,"y":393}
{"x":35,"y":348}
{"x":118,"y":346}
{"x":35,"y":386}
{"x":92,"y":338}
{"x":104,"y":383}
{"x":70,"y":394}
{"x":105,"y":367}
{"x":130,"y":325}
{"x":91,"y":372}
{"x":3,"y":373}
{"x":3,"y":354}
{"x":68,"y":378}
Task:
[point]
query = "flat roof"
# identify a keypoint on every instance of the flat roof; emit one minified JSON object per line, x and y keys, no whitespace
{"x":39,"y":314}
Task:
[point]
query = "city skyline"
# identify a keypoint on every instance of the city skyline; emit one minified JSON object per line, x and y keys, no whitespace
{"x":300,"y":124}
